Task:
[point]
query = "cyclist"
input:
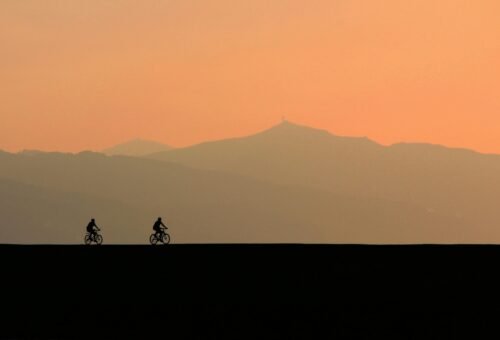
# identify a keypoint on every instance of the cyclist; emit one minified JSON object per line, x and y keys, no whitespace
{"x":92,"y":229}
{"x":157,"y":227}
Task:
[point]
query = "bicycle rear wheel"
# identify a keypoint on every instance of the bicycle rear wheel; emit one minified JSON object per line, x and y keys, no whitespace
{"x":88,"y":239}
{"x":153,"y":239}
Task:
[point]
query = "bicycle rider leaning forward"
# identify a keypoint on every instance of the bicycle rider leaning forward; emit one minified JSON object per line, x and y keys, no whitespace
{"x":92,"y":229}
{"x":158,"y":229}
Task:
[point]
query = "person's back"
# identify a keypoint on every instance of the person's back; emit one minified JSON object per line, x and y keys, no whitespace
{"x":157,"y":227}
{"x":91,"y":227}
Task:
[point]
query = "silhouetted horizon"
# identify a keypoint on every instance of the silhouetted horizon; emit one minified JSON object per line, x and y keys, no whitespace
{"x":289,"y":183}
{"x":121,"y":148}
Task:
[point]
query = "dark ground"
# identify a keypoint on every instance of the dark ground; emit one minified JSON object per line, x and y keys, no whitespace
{"x":248,"y":291}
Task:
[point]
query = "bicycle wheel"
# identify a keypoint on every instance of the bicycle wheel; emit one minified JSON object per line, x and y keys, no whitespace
{"x":98,"y":239}
{"x":166,"y":238}
{"x":88,"y":239}
{"x":153,"y":240}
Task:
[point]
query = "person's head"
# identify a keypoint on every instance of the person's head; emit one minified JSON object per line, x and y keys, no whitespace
{"x":92,"y":220}
{"x":159,"y":218}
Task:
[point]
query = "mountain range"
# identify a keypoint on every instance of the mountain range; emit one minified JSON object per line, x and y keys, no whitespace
{"x":459,"y":183}
{"x":289,"y":183}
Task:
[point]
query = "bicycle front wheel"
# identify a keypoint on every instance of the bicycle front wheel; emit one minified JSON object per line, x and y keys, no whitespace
{"x":98,"y":240}
{"x":166,"y":238}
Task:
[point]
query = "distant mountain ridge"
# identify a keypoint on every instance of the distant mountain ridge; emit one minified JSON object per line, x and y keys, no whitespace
{"x":290,"y":184}
{"x":454,"y":182}
{"x":54,"y":195}
{"x":136,"y":148}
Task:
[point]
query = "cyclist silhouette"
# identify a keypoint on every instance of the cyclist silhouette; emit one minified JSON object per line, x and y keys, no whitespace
{"x":157,"y":227}
{"x":92,"y":229}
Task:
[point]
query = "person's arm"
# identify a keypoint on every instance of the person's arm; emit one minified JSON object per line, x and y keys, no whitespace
{"x":164,"y":225}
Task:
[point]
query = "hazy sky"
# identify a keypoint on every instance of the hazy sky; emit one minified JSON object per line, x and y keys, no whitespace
{"x":87,"y":74}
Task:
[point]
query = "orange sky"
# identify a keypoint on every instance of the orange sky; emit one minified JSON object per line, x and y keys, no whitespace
{"x":88,"y":74}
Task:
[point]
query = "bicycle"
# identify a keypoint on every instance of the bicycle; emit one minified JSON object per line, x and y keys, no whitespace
{"x":93,"y":238}
{"x":162,"y":237}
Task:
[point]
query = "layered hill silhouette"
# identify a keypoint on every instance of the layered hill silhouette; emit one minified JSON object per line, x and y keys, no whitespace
{"x":288,"y":184}
{"x":50,"y":197}
{"x":454,"y":182}
{"x":40,"y":214}
{"x":136,"y":147}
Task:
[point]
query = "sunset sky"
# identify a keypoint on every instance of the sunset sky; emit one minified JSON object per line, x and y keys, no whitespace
{"x":87,"y":74}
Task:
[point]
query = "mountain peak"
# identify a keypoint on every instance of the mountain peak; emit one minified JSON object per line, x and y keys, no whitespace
{"x":288,"y":125}
{"x":287,"y":130}
{"x":286,"y":122}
